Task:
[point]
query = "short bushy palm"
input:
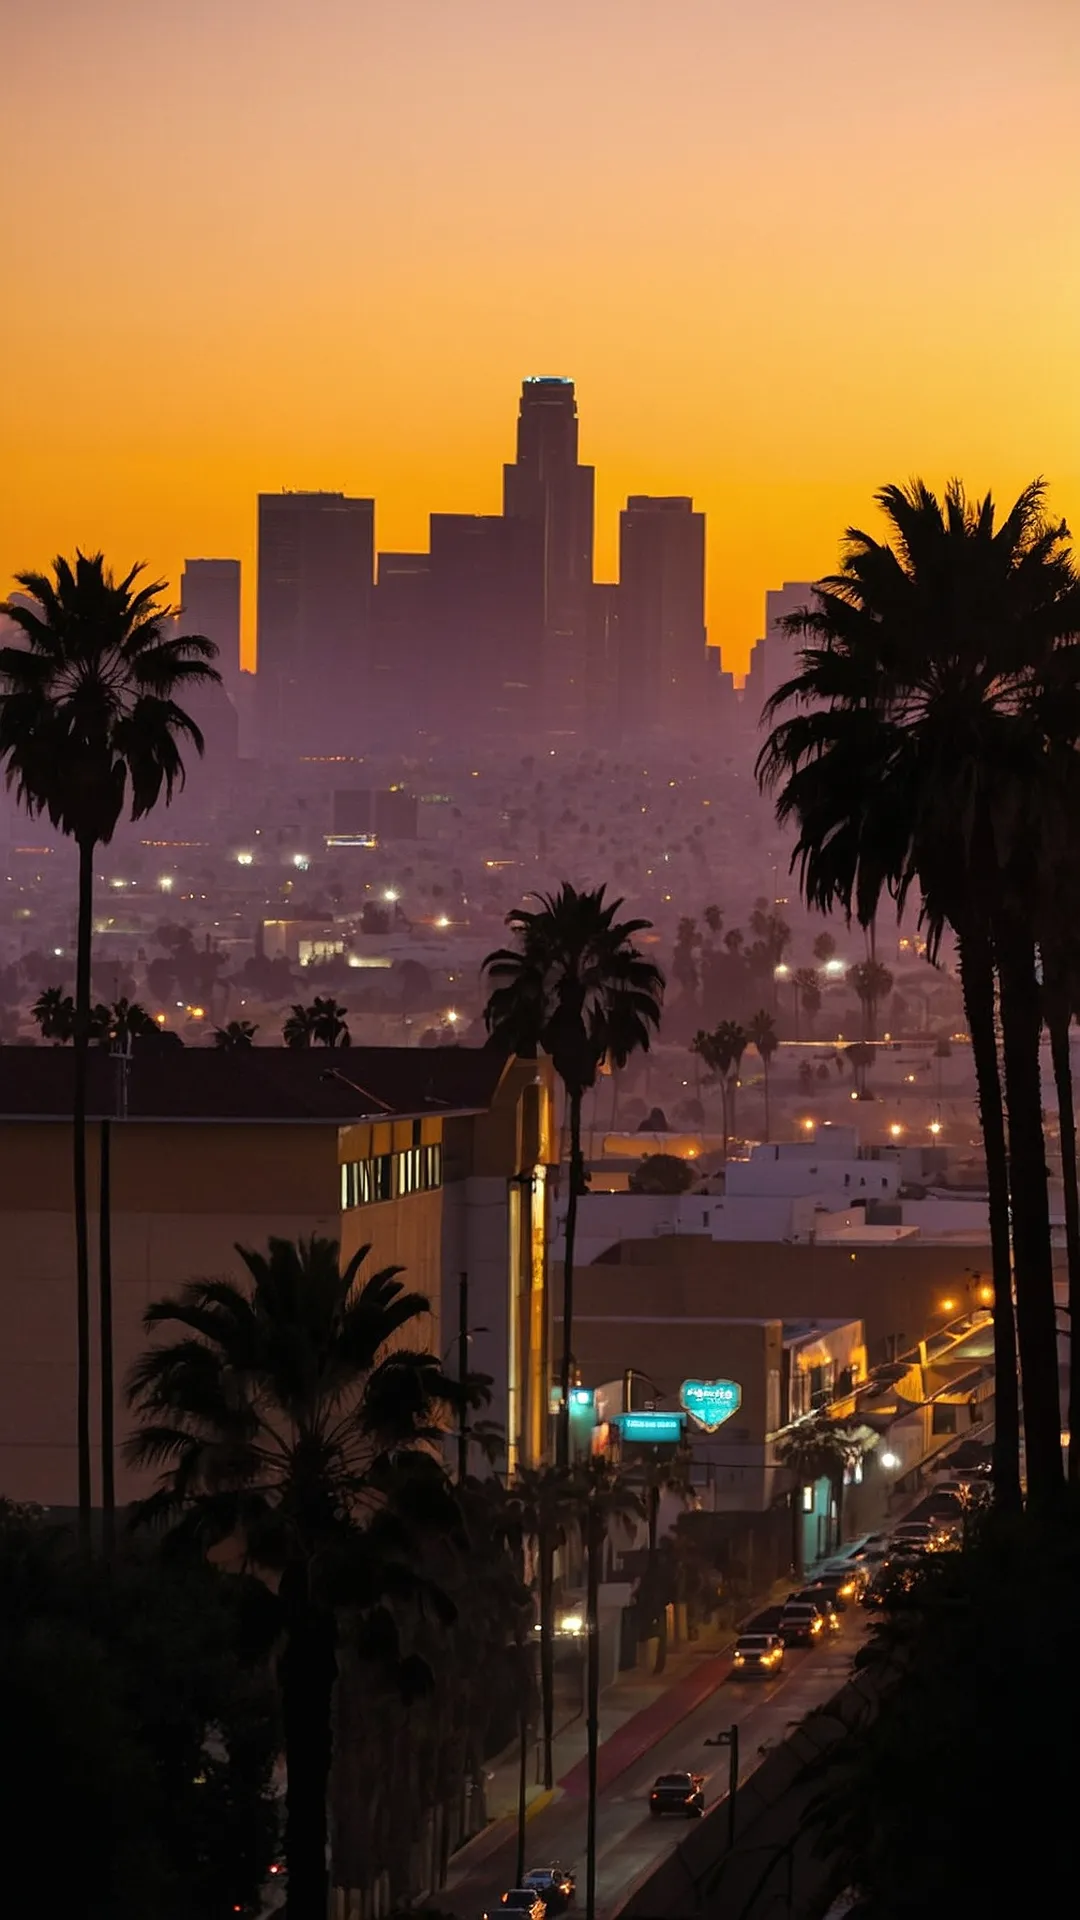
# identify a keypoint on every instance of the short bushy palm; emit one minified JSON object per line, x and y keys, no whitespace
{"x":283,"y":1419}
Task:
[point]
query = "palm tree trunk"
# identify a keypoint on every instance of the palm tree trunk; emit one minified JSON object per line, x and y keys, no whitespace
{"x":595,"y":1542}
{"x":563,"y":1449}
{"x":1058,"y":1021}
{"x":796,"y":1529}
{"x":307,"y":1670}
{"x":1021,"y":1023}
{"x":977,"y":980}
{"x":82,"y":1223}
{"x":765,"y":1065}
{"x":105,"y":1340}
{"x":547,"y":1652}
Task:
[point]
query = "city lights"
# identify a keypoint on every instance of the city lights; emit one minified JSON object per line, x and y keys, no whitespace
{"x":166,"y":883}
{"x":245,"y":859}
{"x":443,"y":920}
{"x":835,"y":966}
{"x":896,"y":1129}
{"x":809,"y":1125}
{"x":948,"y":1306}
{"x":935,"y":1127}
{"x":390,"y":895}
{"x":781,"y":972}
{"x":452,"y":1017}
{"x":301,"y":860}
{"x":890,"y":1462}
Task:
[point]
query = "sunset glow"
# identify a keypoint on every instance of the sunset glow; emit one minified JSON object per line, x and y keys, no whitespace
{"x":786,"y":253}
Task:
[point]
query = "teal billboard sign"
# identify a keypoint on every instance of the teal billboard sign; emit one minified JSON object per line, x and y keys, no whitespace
{"x":650,"y":1429}
{"x":710,"y":1402}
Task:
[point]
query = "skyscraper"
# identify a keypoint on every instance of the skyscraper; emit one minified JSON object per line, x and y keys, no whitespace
{"x":775,"y":658}
{"x":316,"y":575}
{"x":486,"y":626}
{"x":662,"y":638}
{"x":210,"y":605}
{"x":548,"y":489}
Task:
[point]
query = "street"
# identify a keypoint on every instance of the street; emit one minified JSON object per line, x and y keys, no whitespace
{"x":630,"y":1842}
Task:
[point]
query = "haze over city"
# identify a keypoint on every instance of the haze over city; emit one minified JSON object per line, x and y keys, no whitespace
{"x":784,"y":251}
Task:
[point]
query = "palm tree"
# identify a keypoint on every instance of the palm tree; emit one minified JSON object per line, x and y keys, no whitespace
{"x":576,"y":986}
{"x":322,"y":1024}
{"x":721,"y":1051}
{"x":824,"y":948}
{"x":939,"y":674}
{"x":299,"y":1026}
{"x":90,"y":727}
{"x":762,"y":1032}
{"x":130,"y":1021}
{"x":328,"y":1028}
{"x":807,"y":995}
{"x":285,"y":1420}
{"x":872,"y":983}
{"x":818,"y":1448}
{"x":235,"y":1036}
{"x":54,"y":1011}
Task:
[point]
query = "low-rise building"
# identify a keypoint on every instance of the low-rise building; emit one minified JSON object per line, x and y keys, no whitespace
{"x":436,"y":1159}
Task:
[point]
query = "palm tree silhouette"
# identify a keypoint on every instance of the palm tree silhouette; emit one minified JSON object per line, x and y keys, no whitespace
{"x":818,"y":1448}
{"x":90,"y":727}
{"x":235,"y":1036}
{"x":762,"y":1035}
{"x":938,"y":673}
{"x":54,"y":1011}
{"x":322,"y":1024}
{"x":576,"y":986}
{"x":721,"y":1051}
{"x":285,"y":1421}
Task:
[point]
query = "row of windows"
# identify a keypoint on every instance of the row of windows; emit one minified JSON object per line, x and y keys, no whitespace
{"x":390,"y":1176}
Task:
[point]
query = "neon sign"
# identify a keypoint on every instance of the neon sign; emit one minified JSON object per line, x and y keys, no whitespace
{"x":710,"y":1402}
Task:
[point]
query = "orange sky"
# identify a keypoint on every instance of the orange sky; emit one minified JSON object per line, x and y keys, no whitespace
{"x":788,"y":249}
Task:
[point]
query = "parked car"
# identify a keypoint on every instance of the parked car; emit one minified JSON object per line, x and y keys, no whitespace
{"x":816,"y":1596}
{"x":842,"y":1584}
{"x":757,"y":1656}
{"x":678,"y":1793}
{"x":800,"y":1625}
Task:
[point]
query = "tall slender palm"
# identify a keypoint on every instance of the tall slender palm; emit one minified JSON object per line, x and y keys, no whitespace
{"x":917,"y":759}
{"x":721,"y":1051}
{"x":762,"y":1032}
{"x":54,"y":1011}
{"x":284,"y":1420}
{"x":577,"y":986}
{"x":872,"y":983}
{"x":90,"y":727}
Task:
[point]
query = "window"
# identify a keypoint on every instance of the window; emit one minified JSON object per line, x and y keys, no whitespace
{"x":808,"y":1499}
{"x":390,"y":1176}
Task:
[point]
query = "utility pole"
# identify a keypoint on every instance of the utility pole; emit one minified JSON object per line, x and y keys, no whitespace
{"x":595,"y":1538}
{"x":729,"y":1738}
{"x":463,"y":1366}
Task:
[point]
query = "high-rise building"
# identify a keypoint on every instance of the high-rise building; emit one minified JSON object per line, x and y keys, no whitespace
{"x":662,"y":641}
{"x":482,"y":674}
{"x":316,"y":576}
{"x":210,"y":605}
{"x":400,"y":646}
{"x":549,"y":489}
{"x":774,"y":659}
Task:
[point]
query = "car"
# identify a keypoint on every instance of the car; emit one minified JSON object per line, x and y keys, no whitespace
{"x":757,"y":1656}
{"x":678,"y":1793}
{"x":815,"y":1596}
{"x":554,"y":1884}
{"x":842,"y":1584}
{"x":910,"y":1530}
{"x":521,"y":1900}
{"x":801,"y":1626}
{"x":872,"y":1547}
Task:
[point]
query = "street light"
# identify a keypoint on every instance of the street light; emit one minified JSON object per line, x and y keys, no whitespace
{"x":729,"y":1738}
{"x":890,"y":1461}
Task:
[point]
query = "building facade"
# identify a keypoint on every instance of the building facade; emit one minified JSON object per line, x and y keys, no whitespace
{"x":662,"y":639}
{"x":548,"y":489}
{"x":316,"y":578}
{"x":432,"y":1159}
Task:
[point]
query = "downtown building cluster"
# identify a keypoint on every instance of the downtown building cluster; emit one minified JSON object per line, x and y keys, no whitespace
{"x":498,"y":633}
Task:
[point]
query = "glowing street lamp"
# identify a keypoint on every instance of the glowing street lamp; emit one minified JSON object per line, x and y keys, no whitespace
{"x":390,"y":895}
{"x":166,"y":883}
{"x":245,"y":859}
